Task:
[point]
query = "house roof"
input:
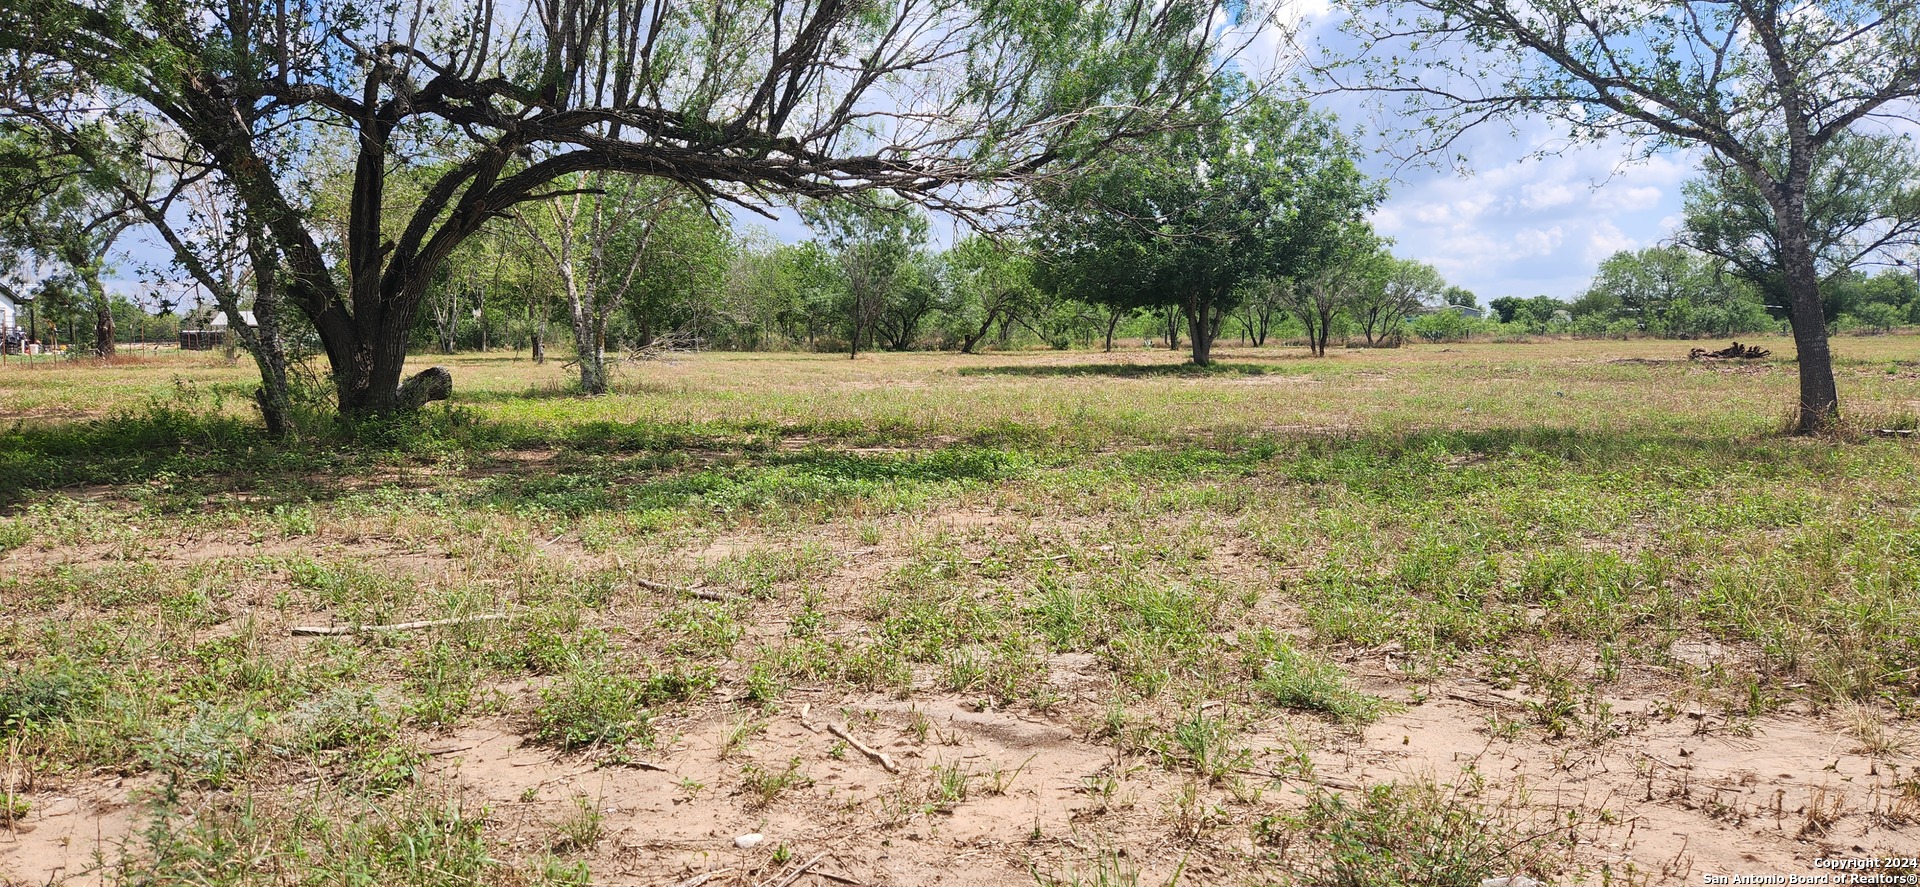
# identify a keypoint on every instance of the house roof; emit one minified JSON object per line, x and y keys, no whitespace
{"x":220,"y":319}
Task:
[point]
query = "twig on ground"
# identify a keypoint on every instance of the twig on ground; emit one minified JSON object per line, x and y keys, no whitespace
{"x":796,"y":873}
{"x":700,"y":593}
{"x":703,"y":878}
{"x":312,"y":630}
{"x":863,"y":748}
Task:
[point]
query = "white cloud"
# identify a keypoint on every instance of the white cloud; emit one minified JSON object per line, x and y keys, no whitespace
{"x":1604,"y":241}
{"x":1521,"y":226}
{"x":1545,"y":195}
{"x":1627,"y":199}
{"x":1539,"y":241}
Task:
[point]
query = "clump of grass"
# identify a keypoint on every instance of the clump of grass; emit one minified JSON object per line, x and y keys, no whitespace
{"x":581,"y":828}
{"x":216,"y":747}
{"x":1415,"y":833}
{"x":763,"y":786}
{"x":349,"y":729}
{"x":47,"y":694}
{"x":1206,"y":744}
{"x":591,"y":707}
{"x":1295,"y":679}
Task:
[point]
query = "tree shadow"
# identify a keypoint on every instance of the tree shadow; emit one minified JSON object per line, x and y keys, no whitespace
{"x":191,"y":458}
{"x":1131,"y":370}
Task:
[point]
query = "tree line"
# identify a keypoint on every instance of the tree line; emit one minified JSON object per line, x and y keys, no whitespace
{"x":358,"y":175}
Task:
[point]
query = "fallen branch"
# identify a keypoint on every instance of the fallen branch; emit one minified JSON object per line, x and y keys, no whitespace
{"x":863,"y":748}
{"x":796,"y":873}
{"x":703,"y":878}
{"x":1736,"y":351}
{"x":700,"y":593}
{"x":313,"y":630}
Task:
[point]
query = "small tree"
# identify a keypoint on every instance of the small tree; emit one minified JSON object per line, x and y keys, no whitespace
{"x":990,"y":284}
{"x":875,"y":243}
{"x":1196,"y":213}
{"x":1394,"y":290}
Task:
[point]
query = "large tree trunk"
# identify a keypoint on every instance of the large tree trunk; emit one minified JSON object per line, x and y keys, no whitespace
{"x":102,"y":318}
{"x":590,"y":352}
{"x":1200,"y":328}
{"x":537,"y":333}
{"x":1113,"y":322}
{"x":1819,"y":399}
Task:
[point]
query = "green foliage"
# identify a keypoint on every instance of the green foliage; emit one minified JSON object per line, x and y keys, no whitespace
{"x":1661,"y":291}
{"x":1863,"y":197}
{"x":1415,"y":834}
{"x":45,"y":694}
{"x":1260,"y":188}
{"x":1294,"y":679}
{"x":1442,"y":326}
{"x":888,"y":285}
{"x":591,"y":707}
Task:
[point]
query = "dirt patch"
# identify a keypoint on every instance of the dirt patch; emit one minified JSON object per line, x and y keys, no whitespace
{"x":71,"y":832}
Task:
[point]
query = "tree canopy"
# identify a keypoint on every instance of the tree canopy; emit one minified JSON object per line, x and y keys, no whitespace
{"x":737,"y":100}
{"x":1189,"y":216}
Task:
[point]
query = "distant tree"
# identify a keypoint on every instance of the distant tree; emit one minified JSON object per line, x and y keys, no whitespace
{"x":875,"y":243}
{"x":1261,"y":301}
{"x":597,"y":239}
{"x":1461,"y":296}
{"x":679,"y":268}
{"x":1667,"y":291}
{"x":1259,"y":188}
{"x":1318,"y":300}
{"x":64,"y":213}
{"x":919,"y":292}
{"x":1393,"y":291}
{"x":991,"y":283}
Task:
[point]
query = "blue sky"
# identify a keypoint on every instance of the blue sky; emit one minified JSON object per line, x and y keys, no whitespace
{"x":1518,"y":226}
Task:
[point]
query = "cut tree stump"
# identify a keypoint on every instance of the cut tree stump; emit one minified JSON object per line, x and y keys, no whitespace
{"x":430,"y":384}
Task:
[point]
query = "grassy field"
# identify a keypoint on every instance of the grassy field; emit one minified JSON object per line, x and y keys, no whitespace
{"x":1574,"y":611}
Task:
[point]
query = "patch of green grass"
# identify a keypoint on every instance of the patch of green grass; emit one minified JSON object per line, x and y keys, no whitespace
{"x":1295,"y":679}
{"x":1399,"y":835}
{"x":591,"y":706}
{"x":47,"y":693}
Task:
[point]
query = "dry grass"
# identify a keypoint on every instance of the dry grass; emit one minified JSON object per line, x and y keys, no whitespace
{"x":1201,"y":615}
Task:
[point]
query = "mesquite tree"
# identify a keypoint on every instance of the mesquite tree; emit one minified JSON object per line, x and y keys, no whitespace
{"x":1769,"y":86}
{"x":62,"y":209}
{"x":1863,"y":200}
{"x":1189,"y":217}
{"x":740,"y":100}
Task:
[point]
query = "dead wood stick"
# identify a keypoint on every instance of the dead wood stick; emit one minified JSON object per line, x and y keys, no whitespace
{"x":840,"y":878}
{"x":311,"y":630}
{"x":700,"y":593}
{"x":796,"y":873}
{"x":702,"y":878}
{"x":863,"y":748}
